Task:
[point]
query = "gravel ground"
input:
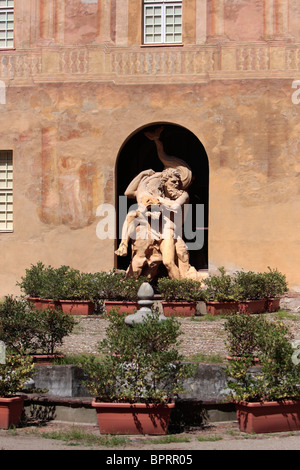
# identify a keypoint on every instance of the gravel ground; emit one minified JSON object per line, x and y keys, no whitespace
{"x":198,"y":335}
{"x":218,"y":436}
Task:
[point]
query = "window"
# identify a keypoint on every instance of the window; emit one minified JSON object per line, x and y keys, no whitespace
{"x":6,"y":190}
{"x":6,"y":24}
{"x":162,"y":21}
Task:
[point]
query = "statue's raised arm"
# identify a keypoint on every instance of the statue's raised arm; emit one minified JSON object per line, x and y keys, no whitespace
{"x":137,"y":183}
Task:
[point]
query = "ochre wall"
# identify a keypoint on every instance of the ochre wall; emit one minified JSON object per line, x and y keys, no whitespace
{"x":66,"y":140}
{"x":75,"y":93}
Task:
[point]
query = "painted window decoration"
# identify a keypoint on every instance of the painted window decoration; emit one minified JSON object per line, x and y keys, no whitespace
{"x":6,"y":190}
{"x":162,"y":21}
{"x":6,"y":24}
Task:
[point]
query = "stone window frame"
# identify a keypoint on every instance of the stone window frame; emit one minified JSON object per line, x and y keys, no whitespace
{"x":6,"y":24}
{"x":6,"y":191}
{"x":164,"y":6}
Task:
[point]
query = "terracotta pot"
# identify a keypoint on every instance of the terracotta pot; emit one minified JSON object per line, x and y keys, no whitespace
{"x":252,"y":306}
{"x":46,"y":359}
{"x":179,"y":309}
{"x":273,"y":305}
{"x":271,"y":416}
{"x":77,"y":307}
{"x":11,"y":411}
{"x":42,"y":304}
{"x":121,"y":306}
{"x":255,"y":360}
{"x":136,"y":418}
{"x":222,"y":308}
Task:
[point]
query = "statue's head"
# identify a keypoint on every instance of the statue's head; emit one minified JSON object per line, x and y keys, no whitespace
{"x":171,"y":182}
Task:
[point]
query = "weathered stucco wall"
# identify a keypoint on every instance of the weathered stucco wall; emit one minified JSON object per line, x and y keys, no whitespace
{"x":80,"y":82}
{"x":66,"y":139}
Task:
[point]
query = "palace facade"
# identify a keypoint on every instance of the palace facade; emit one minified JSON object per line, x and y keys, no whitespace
{"x":81,"y":80}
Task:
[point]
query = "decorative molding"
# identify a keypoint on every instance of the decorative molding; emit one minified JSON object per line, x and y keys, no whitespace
{"x":252,"y":58}
{"x":185,"y":64}
{"x":216,"y":18}
{"x":201,"y":26}
{"x":122,"y":22}
{"x":276,"y":19}
{"x":47,"y":24}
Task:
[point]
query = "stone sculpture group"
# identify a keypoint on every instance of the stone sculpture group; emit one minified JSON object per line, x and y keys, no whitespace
{"x":154,"y":228}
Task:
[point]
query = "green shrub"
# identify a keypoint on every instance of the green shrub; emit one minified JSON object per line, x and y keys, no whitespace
{"x":250,"y":285}
{"x":16,"y":371}
{"x":66,"y":283}
{"x":53,"y":327}
{"x":19,"y":323}
{"x":245,"y":285}
{"x":26,"y":330}
{"x":114,"y":285}
{"x":242,"y":334}
{"x":221,"y":287}
{"x":174,"y":290}
{"x":275,"y":283}
{"x":62,"y":283}
{"x":140,"y":364}
{"x":34,"y":282}
{"x":277,"y":377}
{"x":71,"y":284}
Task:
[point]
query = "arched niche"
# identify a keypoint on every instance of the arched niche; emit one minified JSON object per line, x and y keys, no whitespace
{"x":139,"y":153}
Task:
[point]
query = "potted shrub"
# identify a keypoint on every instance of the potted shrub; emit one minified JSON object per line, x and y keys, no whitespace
{"x":267,"y":400}
{"x":64,"y":287}
{"x":75,"y":291}
{"x":275,"y":287}
{"x":179,"y":297}
{"x":251,"y":288}
{"x":14,"y":374}
{"x":140,"y":374}
{"x":221,"y":293}
{"x":119,"y":292}
{"x":27,"y":331}
{"x":37,"y":284}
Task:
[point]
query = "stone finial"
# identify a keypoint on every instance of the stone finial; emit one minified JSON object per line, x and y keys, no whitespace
{"x":146,"y":301}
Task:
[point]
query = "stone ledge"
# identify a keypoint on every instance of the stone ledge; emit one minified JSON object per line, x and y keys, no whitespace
{"x":87,"y":401}
{"x":188,"y":413}
{"x":56,"y":400}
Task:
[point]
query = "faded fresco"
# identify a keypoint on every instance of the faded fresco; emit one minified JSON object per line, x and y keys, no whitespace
{"x":67,"y":186}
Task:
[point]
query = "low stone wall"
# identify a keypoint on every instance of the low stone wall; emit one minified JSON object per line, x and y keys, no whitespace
{"x":208,"y":384}
{"x":60,"y":380}
{"x":67,"y":400}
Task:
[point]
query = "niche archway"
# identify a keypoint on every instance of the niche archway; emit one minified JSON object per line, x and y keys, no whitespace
{"x":139,"y":153}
